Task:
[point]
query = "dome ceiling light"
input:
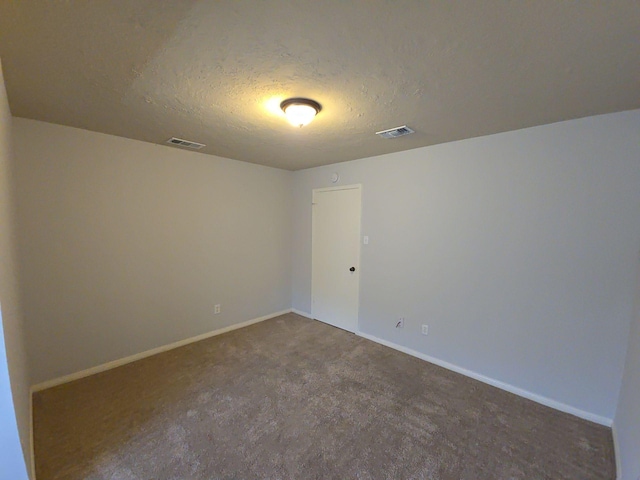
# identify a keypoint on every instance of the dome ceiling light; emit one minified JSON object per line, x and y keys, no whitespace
{"x":300,"y":111}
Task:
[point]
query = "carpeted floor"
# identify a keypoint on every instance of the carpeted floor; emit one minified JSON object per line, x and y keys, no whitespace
{"x":292,"y":398}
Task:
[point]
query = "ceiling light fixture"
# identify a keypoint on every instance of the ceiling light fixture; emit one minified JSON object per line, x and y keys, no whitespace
{"x":300,"y":111}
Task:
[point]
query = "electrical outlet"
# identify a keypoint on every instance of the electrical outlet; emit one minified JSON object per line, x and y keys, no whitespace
{"x":400,"y":323}
{"x":216,"y":309}
{"x":425,"y":329}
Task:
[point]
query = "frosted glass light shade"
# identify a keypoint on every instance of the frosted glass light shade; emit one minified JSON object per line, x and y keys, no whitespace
{"x":300,"y":111}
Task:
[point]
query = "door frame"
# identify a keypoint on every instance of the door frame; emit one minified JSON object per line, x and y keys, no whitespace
{"x":355,"y":186}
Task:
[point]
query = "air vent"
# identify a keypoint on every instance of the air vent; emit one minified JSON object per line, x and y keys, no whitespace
{"x":395,"y":132}
{"x":185,"y":143}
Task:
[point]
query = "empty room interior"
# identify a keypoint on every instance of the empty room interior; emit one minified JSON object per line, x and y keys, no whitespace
{"x":320,"y":239}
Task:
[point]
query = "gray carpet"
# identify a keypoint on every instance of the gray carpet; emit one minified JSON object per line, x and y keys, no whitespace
{"x":292,"y":398}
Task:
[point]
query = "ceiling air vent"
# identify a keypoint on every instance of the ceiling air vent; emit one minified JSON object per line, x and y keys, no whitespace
{"x":395,"y":132}
{"x":185,"y":143}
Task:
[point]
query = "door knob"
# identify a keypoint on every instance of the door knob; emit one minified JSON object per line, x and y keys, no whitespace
{"x":352,"y":269}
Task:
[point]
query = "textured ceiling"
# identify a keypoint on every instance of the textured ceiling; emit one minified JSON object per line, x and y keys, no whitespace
{"x":214,"y":72}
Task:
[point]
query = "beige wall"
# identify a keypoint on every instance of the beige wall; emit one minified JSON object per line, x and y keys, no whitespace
{"x":127,"y":246}
{"x":12,"y":318}
{"x":627,"y":419}
{"x":517,"y":249}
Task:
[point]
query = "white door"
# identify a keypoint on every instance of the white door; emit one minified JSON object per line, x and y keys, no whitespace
{"x":335,"y":264}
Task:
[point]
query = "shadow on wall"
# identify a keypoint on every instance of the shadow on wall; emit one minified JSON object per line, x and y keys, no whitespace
{"x":11,"y":458}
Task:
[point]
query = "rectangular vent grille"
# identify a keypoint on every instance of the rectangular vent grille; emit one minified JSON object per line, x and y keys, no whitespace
{"x":395,"y":132}
{"x":185,"y":143}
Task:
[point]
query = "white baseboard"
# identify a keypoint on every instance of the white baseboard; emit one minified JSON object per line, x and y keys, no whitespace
{"x":301,"y":313}
{"x":496,"y":383}
{"x":616,"y":451}
{"x":138,"y":356}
